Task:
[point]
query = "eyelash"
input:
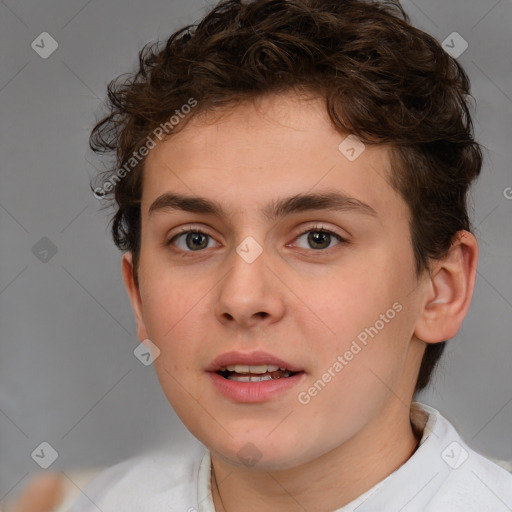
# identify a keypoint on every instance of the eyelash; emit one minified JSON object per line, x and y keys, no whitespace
{"x":315,"y":228}
{"x":322,"y":229}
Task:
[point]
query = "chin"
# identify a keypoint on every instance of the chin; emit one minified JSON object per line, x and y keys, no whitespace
{"x":258,"y":454}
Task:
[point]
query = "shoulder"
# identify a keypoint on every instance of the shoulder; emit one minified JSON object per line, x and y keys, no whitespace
{"x":478,"y":485}
{"x":147,"y":482}
{"x":470,"y":481}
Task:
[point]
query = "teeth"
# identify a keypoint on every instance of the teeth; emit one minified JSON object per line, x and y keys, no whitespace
{"x":249,"y":378}
{"x":254,"y":378}
{"x":262,"y":368}
{"x":238,"y":368}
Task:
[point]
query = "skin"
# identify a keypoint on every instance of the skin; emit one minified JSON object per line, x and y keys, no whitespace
{"x":305,"y":305}
{"x":43,"y":494}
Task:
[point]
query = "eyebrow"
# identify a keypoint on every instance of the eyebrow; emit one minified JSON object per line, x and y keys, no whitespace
{"x":275,"y":209}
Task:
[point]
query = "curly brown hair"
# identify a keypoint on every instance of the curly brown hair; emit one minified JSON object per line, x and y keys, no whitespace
{"x":382,"y":79}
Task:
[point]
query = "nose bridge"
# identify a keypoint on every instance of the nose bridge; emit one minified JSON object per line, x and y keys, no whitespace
{"x":248,"y":292}
{"x":246,"y":280}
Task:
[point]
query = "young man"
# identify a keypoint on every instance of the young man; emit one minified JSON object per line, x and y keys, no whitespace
{"x":290,"y":187}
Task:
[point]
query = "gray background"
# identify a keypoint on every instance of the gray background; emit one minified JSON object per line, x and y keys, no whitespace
{"x":68,"y":375}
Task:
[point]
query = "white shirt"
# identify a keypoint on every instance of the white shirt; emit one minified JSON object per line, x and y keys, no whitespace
{"x":443,"y":475}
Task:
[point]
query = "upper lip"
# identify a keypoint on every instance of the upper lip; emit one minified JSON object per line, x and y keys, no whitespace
{"x":250,"y":359}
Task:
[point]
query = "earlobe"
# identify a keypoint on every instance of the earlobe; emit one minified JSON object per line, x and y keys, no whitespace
{"x":450,"y":289}
{"x":132,"y":289}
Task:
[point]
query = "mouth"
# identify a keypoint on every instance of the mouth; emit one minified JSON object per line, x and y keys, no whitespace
{"x":253,"y":377}
{"x":254,"y":373}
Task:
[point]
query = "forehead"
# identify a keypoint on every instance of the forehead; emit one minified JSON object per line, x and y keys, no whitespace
{"x":255,"y":153}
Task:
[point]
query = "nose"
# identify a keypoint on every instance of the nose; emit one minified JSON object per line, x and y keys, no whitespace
{"x":249,"y":294}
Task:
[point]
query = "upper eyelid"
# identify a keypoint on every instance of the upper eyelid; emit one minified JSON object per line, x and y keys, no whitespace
{"x":319,"y":227}
{"x":194,"y":229}
{"x":190,"y":229}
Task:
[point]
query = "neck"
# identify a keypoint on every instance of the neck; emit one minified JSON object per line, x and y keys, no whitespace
{"x":332,"y":480}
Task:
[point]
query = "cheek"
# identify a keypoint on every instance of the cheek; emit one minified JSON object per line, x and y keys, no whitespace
{"x":172,"y":315}
{"x":172,"y":310}
{"x":349,"y":301}
{"x":354,"y":378}
{"x":364,"y":320}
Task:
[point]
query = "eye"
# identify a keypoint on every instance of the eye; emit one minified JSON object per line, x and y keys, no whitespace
{"x":319,"y":238}
{"x":192,"y":240}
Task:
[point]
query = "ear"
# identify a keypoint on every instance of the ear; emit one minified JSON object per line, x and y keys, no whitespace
{"x":450,"y":288}
{"x":134,"y":294}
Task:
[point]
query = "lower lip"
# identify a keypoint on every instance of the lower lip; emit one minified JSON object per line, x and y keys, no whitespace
{"x":251,"y":392}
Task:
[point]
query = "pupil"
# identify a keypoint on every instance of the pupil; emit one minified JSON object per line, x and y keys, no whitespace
{"x":196,"y":241}
{"x":319,"y":238}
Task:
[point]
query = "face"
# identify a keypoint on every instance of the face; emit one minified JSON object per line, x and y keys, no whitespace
{"x":295,"y":257}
